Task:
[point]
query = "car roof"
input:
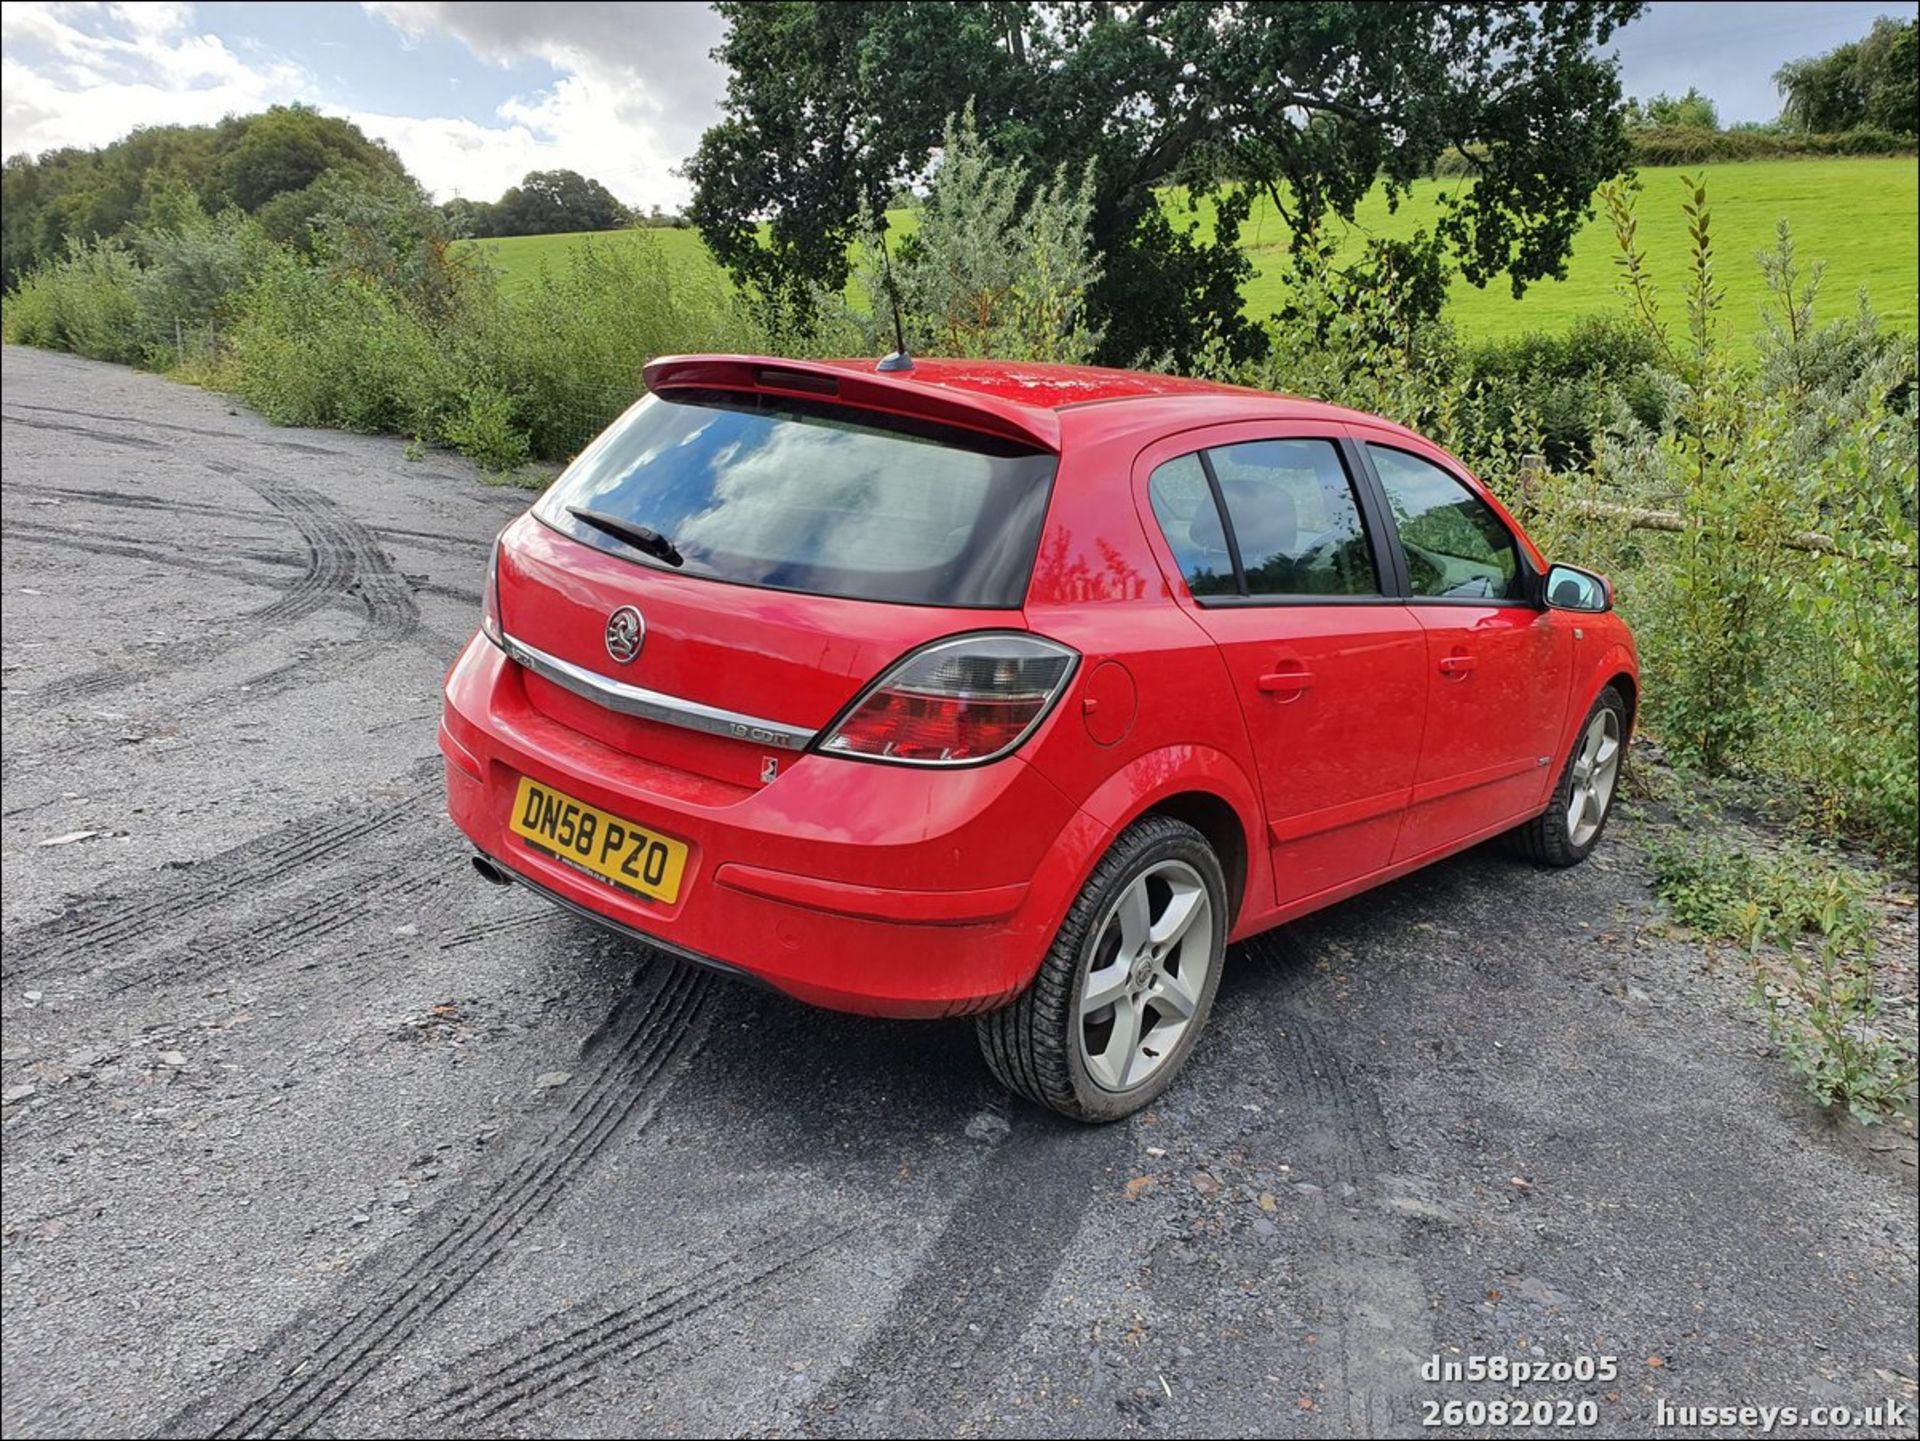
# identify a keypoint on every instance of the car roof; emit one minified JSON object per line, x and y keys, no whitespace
{"x":1025,"y":399}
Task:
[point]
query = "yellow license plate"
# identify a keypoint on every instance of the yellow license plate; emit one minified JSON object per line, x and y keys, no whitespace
{"x":630,"y":856}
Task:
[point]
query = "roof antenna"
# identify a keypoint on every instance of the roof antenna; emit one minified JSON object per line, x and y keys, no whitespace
{"x":899,"y":360}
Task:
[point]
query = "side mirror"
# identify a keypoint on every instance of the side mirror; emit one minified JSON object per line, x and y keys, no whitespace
{"x":1568,"y":587}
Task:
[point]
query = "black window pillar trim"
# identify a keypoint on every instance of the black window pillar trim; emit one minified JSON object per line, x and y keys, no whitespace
{"x":1388,"y":558}
{"x":1226,"y":522}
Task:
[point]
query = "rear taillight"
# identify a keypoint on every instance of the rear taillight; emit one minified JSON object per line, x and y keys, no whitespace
{"x":490,"y":601}
{"x":956,"y":702}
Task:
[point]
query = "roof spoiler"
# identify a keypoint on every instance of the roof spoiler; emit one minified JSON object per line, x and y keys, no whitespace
{"x":905,"y":393}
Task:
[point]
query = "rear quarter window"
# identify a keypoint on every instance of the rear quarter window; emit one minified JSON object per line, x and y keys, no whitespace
{"x":792,"y":494}
{"x":1183,"y":504}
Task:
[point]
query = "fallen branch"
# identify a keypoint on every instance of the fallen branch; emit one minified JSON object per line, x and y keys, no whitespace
{"x":1639,"y":518}
{"x":1533,"y":471}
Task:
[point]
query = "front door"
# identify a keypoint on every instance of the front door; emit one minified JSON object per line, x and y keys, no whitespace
{"x":1283,"y":572}
{"x":1498,"y":665}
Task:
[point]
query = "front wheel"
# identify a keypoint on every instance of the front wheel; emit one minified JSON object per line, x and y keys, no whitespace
{"x":1125,"y":989}
{"x":1571,"y":825}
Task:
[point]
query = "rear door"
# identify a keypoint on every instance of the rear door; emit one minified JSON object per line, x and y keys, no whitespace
{"x":1498,"y":665}
{"x":1285,"y":572}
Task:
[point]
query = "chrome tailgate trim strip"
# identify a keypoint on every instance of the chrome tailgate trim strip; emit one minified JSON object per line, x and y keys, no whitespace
{"x":656,"y":705}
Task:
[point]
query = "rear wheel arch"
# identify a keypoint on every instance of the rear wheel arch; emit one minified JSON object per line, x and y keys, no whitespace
{"x":1216,"y":819}
{"x":1207,"y":788}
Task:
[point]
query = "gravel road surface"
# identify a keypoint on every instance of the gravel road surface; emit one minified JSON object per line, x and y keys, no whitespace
{"x":307,"y":1131}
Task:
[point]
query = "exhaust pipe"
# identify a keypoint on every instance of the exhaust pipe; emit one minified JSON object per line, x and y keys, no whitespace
{"x":490,"y":872}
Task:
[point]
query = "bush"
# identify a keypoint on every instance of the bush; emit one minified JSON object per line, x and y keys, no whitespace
{"x":1689,"y":145}
{"x":310,"y":348}
{"x":196,"y":267}
{"x":1569,"y":386}
{"x":1777,"y":626}
{"x":84,"y":302}
{"x":991,"y":265}
{"x":1679,"y":146}
{"x":485,"y":432}
{"x":567,"y":352}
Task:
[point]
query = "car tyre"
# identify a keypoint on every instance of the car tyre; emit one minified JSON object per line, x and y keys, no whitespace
{"x":1589,"y":780}
{"x":1136,"y":962}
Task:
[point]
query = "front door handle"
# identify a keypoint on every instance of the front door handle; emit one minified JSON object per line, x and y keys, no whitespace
{"x":1456,"y":666}
{"x":1285,"y":682}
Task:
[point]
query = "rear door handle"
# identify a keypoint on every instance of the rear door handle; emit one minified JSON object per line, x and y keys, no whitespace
{"x":1285,"y":682}
{"x":1456,"y":666}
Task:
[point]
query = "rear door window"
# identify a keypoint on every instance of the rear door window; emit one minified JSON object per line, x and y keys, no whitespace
{"x":1295,"y":517}
{"x":792,"y":494}
{"x":1455,"y":545}
{"x":1291,"y":526}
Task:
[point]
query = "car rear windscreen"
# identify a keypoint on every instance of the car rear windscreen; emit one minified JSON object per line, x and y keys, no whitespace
{"x":805,"y":495}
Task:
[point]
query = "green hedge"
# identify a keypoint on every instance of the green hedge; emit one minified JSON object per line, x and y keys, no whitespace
{"x":1697,"y":147}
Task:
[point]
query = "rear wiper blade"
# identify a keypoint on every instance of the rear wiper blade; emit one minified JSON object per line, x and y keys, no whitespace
{"x":637,"y":536}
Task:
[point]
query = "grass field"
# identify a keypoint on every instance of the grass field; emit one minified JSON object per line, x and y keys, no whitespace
{"x":1856,"y":215}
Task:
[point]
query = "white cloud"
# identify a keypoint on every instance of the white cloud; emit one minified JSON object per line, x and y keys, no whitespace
{"x":453,"y":156}
{"x":100,"y":70}
{"x":637,"y":89}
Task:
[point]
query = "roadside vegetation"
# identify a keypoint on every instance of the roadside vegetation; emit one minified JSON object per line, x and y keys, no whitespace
{"x":1808,"y":927}
{"x":1752,"y":492}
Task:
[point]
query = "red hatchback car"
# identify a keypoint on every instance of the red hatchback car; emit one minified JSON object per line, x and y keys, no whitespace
{"x":1016,"y":691}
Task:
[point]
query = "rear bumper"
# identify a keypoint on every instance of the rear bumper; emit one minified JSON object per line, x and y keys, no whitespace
{"x":870,"y":888}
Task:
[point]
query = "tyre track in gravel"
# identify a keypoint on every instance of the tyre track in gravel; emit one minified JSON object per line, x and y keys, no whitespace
{"x":348,"y":560}
{"x":961,"y":1314}
{"x":342,"y":559}
{"x":125,"y":501}
{"x":264,"y":437}
{"x":614,"y":1337}
{"x":173,"y":557}
{"x":93,"y":433}
{"x":289,"y":938}
{"x":489,"y":930}
{"x":116,"y":438}
{"x":104,"y":926}
{"x":1375,"y":1300}
{"x":314,"y":1366}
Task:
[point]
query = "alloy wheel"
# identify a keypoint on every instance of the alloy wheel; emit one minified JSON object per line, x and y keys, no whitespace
{"x":1146,"y":974}
{"x":1596,"y":768}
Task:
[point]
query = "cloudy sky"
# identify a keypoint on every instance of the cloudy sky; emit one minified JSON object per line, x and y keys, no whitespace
{"x":473,"y":96}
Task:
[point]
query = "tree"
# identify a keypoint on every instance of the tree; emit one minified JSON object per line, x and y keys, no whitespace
{"x":1888,"y":71}
{"x":288,"y":148}
{"x":1870,"y":81}
{"x":550,"y":202}
{"x":1692,"y":111}
{"x":467,"y":219}
{"x":830,"y":107}
{"x":251,"y":161}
